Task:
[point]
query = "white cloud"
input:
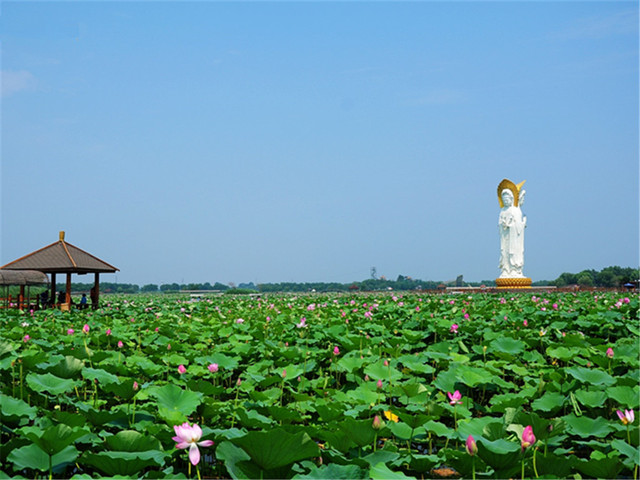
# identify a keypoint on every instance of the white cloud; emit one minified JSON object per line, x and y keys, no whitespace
{"x":17,"y":81}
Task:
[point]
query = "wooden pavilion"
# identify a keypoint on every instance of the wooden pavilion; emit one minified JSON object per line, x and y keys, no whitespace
{"x":63,"y":258}
{"x":24,"y":279}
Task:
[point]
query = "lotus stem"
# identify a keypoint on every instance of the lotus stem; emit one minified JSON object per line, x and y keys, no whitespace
{"x":21,"y":378}
{"x":535,"y":468}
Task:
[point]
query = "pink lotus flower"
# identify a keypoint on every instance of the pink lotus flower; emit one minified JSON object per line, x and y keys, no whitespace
{"x":213,"y":368}
{"x":189,"y":436}
{"x":26,"y":338}
{"x":284,"y":373}
{"x":377,"y":423}
{"x":471,"y":446}
{"x":240,"y":320}
{"x":181,"y":369}
{"x":135,"y":385}
{"x":70,"y":331}
{"x":302,"y":324}
{"x":454,"y":328}
{"x":455,"y":397}
{"x":379,"y":383}
{"x":528,"y":438}
{"x":627,"y":417}
{"x":108,"y":332}
{"x":120,"y":344}
{"x":610,"y":352}
{"x":85,"y":329}
{"x":336,"y":351}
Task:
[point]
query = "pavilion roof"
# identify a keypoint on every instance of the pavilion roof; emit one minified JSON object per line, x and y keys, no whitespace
{"x":61,"y":257}
{"x":23,"y":277}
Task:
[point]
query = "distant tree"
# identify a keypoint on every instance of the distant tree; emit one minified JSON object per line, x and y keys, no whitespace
{"x":149,"y":288}
{"x":169,"y":287}
{"x":585,"y":279}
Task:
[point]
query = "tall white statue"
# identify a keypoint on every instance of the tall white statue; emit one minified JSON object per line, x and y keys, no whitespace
{"x":511,"y":224}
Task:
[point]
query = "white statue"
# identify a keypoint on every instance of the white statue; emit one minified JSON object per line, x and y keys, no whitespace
{"x":511,"y":224}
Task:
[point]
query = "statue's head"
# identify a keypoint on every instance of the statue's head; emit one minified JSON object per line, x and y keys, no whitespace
{"x":512,"y":189}
{"x":507,"y":198}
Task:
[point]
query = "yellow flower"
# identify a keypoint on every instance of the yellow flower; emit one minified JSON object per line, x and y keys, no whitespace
{"x":390,"y":416}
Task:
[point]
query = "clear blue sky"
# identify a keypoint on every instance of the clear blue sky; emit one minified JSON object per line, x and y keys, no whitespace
{"x":302,"y":141}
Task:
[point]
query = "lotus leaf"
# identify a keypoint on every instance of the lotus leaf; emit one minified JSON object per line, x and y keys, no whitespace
{"x":48,"y":383}
{"x":33,"y":457}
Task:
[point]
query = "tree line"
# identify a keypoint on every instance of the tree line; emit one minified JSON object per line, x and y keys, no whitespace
{"x":607,"y":277}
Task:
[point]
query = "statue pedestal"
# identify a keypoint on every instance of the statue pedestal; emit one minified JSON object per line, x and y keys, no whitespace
{"x":511,"y":283}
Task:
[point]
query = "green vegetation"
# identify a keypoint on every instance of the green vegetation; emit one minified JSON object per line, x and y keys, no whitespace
{"x":376,"y":385}
{"x":608,"y":277}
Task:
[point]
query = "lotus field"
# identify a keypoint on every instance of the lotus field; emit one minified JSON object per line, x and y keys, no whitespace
{"x":381,"y":385}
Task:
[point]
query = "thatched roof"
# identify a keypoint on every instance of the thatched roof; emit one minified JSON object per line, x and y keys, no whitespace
{"x":23,"y":277}
{"x":61,"y":257}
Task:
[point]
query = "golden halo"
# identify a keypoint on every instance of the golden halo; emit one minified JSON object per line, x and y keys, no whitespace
{"x":515,"y":189}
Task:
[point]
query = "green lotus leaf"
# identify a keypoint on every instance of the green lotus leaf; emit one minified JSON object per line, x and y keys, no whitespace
{"x":600,"y":468}
{"x":148,"y":366}
{"x":625,"y":396}
{"x":549,"y":402}
{"x":556,"y":465}
{"x":6,"y":347}
{"x":14,"y":408}
{"x":102,"y":376}
{"x":365,"y":394}
{"x":361,"y":432}
{"x":329,"y":412}
{"x":132,"y":441}
{"x":33,"y":457}
{"x":447,"y":379}
{"x":121,"y":388}
{"x":293,"y":372}
{"x":591,"y":376}
{"x":591,"y":398}
{"x":439,"y":429}
{"x":403,"y":431}
{"x":382,"y":472}
{"x":507,"y":345}
{"x":174,"y":403}
{"x":587,"y":427}
{"x":474,"y":376}
{"x":334,"y":471}
{"x":277,"y":448}
{"x":48,"y":383}
{"x":55,"y":438}
{"x":378,"y":371}
{"x":236,"y":461}
{"x":561,"y":353}
{"x":350,"y":363}
{"x":499,"y":454}
{"x":124,"y":463}
{"x":252,"y":419}
{"x":68,"y":367}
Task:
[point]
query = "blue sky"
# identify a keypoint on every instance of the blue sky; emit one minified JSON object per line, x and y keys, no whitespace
{"x":304,"y":141}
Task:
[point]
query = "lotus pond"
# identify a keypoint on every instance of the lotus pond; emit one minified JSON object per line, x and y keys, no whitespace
{"x":380,"y":385}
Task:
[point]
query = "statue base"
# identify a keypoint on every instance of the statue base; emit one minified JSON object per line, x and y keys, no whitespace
{"x":511,"y":283}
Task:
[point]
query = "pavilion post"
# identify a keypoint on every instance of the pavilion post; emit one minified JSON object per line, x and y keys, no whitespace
{"x":67,"y":298}
{"x":21,"y":298}
{"x":95,"y":298}
{"x":53,"y":289}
